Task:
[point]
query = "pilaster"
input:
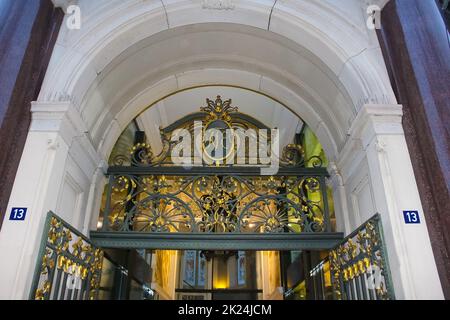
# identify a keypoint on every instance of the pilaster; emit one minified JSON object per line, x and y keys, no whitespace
{"x":380,"y":132}
{"x":54,"y":174}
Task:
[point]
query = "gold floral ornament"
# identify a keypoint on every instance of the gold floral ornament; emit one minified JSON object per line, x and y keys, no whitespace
{"x":116,"y":219}
{"x":124,"y":185}
{"x":359,"y":259}
{"x":123,"y":190}
{"x":77,"y":248}
{"x":272,"y":214}
{"x":271,"y":185}
{"x":292,"y":155}
{"x":59,"y":236}
{"x":204,"y":185}
{"x":155,"y":183}
{"x":68,"y":258}
{"x":95,"y":270}
{"x":142,"y":153}
{"x":218,"y":110}
{"x":162,"y":214}
{"x":312,"y":185}
{"x":48,"y":263}
{"x":55,"y":231}
{"x":41,"y":293}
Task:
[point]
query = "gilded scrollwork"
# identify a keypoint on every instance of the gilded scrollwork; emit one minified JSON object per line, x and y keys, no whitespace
{"x":214,"y":203}
{"x":218,"y":114}
{"x":70,"y":266}
{"x":141,"y":154}
{"x":219,"y":110}
{"x":359,"y":265}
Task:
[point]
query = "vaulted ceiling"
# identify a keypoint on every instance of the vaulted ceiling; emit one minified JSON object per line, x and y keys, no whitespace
{"x":262,"y":108}
{"x":315,"y":56}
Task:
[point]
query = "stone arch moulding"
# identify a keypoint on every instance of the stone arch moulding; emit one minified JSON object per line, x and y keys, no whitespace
{"x":348,"y":60}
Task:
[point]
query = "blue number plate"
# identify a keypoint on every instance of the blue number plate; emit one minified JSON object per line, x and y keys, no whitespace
{"x":18,"y":214}
{"x":411,"y":217}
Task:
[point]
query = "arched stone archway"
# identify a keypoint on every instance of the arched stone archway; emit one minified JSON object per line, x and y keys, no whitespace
{"x":321,"y":62}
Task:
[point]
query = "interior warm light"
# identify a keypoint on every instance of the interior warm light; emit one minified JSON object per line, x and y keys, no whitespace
{"x":220,"y":284}
{"x":99,"y":224}
{"x":220,"y":267}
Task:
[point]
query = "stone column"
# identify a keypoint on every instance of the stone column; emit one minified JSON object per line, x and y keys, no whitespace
{"x":57,"y":156}
{"x":28,"y":32}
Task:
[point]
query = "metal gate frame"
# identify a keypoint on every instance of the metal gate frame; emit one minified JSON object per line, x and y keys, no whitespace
{"x":360,"y":266}
{"x":66,"y":255}
{"x":218,"y":241}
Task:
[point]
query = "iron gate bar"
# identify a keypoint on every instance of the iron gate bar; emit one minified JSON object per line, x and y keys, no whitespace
{"x":62,"y":241}
{"x":211,"y":171}
{"x":216,"y":241}
{"x":366,"y":244}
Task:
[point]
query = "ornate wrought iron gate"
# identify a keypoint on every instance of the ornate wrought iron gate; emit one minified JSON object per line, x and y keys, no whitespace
{"x":360,"y":267}
{"x":152,"y":201}
{"x":216,"y":209}
{"x":68,"y":266}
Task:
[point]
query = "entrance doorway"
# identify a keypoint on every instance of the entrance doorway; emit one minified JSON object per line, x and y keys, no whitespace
{"x":216,"y":275}
{"x":253,"y":275}
{"x":204,"y":225}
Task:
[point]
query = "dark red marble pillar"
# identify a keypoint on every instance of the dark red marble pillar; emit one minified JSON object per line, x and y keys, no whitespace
{"x":416,"y":45}
{"x":28,"y":32}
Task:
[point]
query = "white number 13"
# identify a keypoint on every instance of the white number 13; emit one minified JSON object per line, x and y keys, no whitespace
{"x":18,"y":213}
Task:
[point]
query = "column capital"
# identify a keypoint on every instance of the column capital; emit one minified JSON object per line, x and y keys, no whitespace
{"x":60,"y":117}
{"x":64,"y":120}
{"x":335,"y":174}
{"x":374,"y":120}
